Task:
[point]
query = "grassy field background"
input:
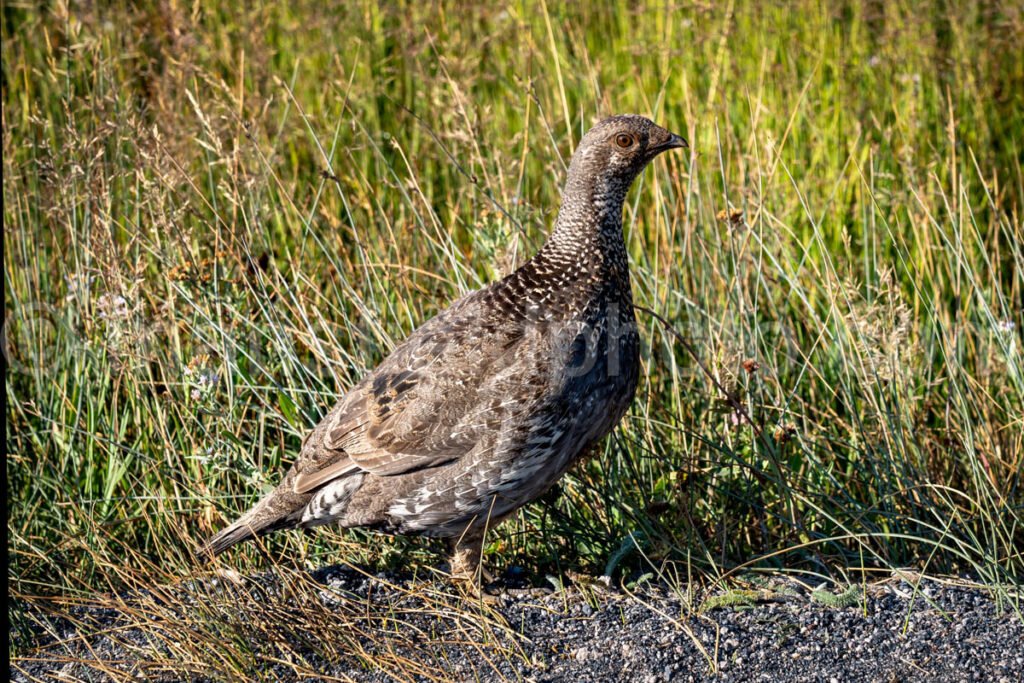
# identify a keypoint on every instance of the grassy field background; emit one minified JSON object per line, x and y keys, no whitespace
{"x":218,"y":217}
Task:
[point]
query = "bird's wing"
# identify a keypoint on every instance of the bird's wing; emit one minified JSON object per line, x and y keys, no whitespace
{"x":427,"y":404}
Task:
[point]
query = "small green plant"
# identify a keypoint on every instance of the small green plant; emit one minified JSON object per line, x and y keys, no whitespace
{"x":849,"y":597}
{"x":735,"y":598}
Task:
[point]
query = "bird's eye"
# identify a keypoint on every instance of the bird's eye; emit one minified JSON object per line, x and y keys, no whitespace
{"x":624,"y":140}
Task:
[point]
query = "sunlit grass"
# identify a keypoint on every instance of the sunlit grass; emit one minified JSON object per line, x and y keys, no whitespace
{"x":217,"y":220}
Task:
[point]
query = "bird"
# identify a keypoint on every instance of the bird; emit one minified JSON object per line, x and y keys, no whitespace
{"x":484,"y":407}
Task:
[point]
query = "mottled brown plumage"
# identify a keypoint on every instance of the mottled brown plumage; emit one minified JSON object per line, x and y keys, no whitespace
{"x":485,"y":406}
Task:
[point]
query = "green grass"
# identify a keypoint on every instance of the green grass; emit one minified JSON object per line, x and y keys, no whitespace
{"x":217,"y":220}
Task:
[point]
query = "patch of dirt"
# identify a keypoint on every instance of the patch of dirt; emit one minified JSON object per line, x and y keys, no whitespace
{"x":340,"y":623}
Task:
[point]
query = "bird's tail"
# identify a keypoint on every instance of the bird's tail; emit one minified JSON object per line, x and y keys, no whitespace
{"x":224,"y":539}
{"x":279,"y":509}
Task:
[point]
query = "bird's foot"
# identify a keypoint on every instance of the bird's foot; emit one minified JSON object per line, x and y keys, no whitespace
{"x":474,"y":590}
{"x":477,"y":574}
{"x":468,"y":570}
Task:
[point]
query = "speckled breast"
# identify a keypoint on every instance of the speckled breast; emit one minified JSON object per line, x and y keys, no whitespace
{"x":592,"y":368}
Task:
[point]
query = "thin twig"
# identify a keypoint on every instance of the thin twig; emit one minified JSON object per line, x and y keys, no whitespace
{"x":735,"y":403}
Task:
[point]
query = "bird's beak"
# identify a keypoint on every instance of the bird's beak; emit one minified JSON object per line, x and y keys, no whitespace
{"x":672,"y":142}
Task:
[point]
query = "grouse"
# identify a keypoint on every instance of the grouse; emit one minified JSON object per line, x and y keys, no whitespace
{"x":484,"y":407}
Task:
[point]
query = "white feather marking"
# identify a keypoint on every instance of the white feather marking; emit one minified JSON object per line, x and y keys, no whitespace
{"x":330,"y":502}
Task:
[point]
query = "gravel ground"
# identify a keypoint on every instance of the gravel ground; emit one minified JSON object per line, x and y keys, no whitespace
{"x":779,"y":632}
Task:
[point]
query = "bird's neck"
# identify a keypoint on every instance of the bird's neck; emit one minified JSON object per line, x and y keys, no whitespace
{"x":587,"y":237}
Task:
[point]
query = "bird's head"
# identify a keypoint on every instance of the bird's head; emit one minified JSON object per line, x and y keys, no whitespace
{"x":615,"y":151}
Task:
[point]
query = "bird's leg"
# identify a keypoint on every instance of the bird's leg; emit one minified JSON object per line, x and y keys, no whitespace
{"x":466,"y":553}
{"x":467,"y":568}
